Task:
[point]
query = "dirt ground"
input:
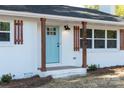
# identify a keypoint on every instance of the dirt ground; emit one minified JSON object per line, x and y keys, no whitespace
{"x":111,"y":77}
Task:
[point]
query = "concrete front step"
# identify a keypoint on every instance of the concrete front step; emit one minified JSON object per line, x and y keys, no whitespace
{"x":64,"y":72}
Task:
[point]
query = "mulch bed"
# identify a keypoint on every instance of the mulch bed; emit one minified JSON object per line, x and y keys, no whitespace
{"x":101,"y":71}
{"x":106,"y":70}
{"x":32,"y":82}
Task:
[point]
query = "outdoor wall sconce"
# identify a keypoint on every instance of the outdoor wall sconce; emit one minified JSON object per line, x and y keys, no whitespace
{"x":66,"y":27}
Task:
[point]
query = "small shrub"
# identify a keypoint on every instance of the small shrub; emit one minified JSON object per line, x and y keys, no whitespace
{"x":36,"y":76}
{"x":6,"y":78}
{"x":92,"y":67}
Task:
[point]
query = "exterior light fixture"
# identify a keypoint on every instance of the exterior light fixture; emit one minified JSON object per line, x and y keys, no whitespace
{"x":66,"y":27}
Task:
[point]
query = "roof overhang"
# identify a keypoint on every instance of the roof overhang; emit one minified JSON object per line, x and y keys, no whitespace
{"x":56,"y":17}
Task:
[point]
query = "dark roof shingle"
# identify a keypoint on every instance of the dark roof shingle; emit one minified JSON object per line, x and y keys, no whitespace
{"x":63,"y":10}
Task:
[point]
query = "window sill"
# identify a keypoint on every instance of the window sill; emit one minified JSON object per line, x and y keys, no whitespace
{"x":6,"y":44}
{"x":102,"y":50}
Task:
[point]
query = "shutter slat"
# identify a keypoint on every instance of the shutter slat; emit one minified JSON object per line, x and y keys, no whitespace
{"x":18,"y":33}
{"x":122,"y":39}
{"x":76,"y":38}
{"x":21,"y":32}
{"x":15,"y":31}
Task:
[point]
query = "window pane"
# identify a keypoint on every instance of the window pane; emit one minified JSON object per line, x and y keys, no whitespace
{"x":47,"y":29}
{"x":99,"y":33}
{"x":111,"y":44}
{"x":4,"y":26}
{"x":81,"y":43}
{"x":4,"y":36}
{"x":54,"y":29}
{"x":111,"y":34}
{"x":89,"y":43}
{"x":81,"y":33}
{"x":99,"y":43}
{"x":89,"y":33}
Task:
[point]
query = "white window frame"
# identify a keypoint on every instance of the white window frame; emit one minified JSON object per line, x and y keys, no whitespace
{"x":7,"y":43}
{"x":103,"y":49}
{"x":99,"y":39}
{"x":112,"y":39}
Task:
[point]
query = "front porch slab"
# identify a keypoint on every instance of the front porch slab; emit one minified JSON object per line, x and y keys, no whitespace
{"x":63,"y":71}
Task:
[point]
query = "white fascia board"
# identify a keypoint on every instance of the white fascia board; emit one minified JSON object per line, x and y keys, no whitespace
{"x":56,"y":17}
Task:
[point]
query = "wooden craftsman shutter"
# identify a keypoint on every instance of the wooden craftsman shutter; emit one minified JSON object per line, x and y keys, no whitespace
{"x":122,"y":39}
{"x":76,"y":38}
{"x":18,"y":32}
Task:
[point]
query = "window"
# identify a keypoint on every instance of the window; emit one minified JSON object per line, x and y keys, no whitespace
{"x":111,"y":43}
{"x":51,"y":31}
{"x":111,"y":34}
{"x":99,"y":44}
{"x":4,"y":31}
{"x":89,"y":38}
{"x":99,"y":33}
{"x":99,"y":38}
{"x":111,"y":39}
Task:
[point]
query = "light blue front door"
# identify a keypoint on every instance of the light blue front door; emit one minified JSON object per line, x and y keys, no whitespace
{"x":52,"y":44}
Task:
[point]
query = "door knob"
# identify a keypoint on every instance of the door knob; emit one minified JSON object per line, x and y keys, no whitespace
{"x":58,"y":44}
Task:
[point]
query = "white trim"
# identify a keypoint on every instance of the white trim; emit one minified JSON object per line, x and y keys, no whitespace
{"x":106,"y":39}
{"x":4,"y":31}
{"x":64,"y":18}
{"x":118,"y":39}
{"x":92,"y":38}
